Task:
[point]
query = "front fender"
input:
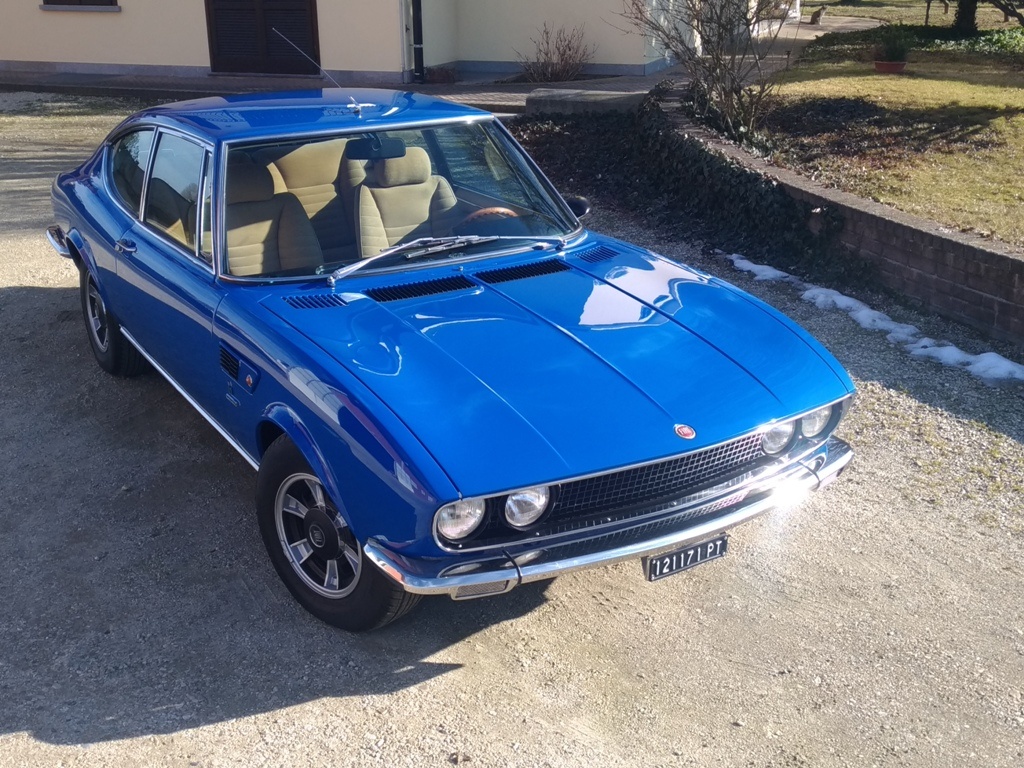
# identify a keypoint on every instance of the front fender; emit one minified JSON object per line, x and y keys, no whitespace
{"x":284,"y":418}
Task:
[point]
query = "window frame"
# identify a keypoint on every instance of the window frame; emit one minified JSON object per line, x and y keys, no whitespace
{"x":80,"y":5}
{"x":207,"y":167}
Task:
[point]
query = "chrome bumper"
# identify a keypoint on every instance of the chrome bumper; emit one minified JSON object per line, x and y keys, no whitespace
{"x":497,"y":574}
{"x":57,"y":239}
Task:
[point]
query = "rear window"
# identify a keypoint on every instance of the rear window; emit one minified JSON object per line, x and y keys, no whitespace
{"x":128,"y":160}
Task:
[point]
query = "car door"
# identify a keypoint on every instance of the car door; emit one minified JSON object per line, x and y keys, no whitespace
{"x":165,"y":268}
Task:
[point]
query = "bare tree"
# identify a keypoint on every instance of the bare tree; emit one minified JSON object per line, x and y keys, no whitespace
{"x":723,"y":44}
{"x":1010,"y":8}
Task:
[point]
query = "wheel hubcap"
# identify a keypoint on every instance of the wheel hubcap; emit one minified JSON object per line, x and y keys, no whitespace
{"x":319,"y":545}
{"x":97,"y":317}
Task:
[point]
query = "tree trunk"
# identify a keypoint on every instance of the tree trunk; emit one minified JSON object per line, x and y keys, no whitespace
{"x":966,"y":21}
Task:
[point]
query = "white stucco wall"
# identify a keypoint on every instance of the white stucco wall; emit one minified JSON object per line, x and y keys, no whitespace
{"x":160,"y":32}
{"x":440,"y":32}
{"x":356,"y":36}
{"x":494,"y":30}
{"x":361,"y":35}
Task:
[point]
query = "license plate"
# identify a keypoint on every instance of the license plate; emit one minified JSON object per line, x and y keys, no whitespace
{"x":660,"y":566}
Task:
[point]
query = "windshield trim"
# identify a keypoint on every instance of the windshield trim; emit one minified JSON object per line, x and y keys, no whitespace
{"x":571,"y":241}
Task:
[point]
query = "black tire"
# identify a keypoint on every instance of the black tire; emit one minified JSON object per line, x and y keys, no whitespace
{"x":304,"y":535}
{"x":114,"y":353}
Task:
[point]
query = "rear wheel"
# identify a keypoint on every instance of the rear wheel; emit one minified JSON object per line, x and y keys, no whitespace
{"x":315,"y":552}
{"x":112,"y":350}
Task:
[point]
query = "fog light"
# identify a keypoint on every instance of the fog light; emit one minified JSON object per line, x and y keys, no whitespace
{"x":524,"y":508}
{"x":460,"y":518}
{"x":778,"y":437}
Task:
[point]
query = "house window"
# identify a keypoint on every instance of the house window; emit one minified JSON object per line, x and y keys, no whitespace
{"x":93,"y":3}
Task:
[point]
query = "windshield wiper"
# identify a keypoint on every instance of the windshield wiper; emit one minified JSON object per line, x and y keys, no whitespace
{"x":425,"y":246}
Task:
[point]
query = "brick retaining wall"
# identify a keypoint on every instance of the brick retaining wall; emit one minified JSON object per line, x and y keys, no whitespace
{"x":963,"y":277}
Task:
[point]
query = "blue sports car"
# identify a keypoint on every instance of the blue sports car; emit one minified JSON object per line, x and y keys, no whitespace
{"x":447,"y":385}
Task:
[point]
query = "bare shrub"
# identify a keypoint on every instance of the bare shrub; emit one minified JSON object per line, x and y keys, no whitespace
{"x":560,"y":55}
{"x":723,"y":45}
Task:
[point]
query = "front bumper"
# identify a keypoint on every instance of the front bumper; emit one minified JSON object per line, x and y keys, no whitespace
{"x":717,"y":512}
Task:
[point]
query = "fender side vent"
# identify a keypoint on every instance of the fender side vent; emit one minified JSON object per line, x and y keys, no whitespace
{"x":538,"y":268}
{"x":415,"y":290}
{"x":315,"y":301}
{"x":229,"y":363}
{"x":598,"y":254}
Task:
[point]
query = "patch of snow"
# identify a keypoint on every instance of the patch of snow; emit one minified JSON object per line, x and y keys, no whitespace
{"x":759,"y":271}
{"x":988,"y":365}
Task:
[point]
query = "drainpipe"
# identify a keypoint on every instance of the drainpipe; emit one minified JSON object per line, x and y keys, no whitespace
{"x":419,"y":72}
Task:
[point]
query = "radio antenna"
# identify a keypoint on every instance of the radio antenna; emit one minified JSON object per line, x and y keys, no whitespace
{"x":323,"y":71}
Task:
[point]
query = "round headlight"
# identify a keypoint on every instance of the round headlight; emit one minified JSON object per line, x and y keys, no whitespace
{"x":778,"y":437}
{"x":460,"y":518}
{"x":524,"y":508}
{"x":815,"y":422}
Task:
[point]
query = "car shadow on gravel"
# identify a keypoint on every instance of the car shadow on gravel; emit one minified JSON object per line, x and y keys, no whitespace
{"x":137,"y":597}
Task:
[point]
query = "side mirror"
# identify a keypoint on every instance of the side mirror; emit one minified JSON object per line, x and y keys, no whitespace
{"x":580,"y":206}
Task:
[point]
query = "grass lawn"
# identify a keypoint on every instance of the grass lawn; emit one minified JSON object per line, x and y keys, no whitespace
{"x":905,"y":11}
{"x":944,"y":141}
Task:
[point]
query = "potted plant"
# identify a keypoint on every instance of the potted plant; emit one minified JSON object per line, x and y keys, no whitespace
{"x":892,"y":49}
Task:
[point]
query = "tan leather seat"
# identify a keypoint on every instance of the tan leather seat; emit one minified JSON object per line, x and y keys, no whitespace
{"x":316,"y":174}
{"x":401,"y":200}
{"x":171,"y":212}
{"x":266,"y":232}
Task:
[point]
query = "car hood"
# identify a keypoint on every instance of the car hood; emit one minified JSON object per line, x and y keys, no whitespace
{"x":567,"y":365}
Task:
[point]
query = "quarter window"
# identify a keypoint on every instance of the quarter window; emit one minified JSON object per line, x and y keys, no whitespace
{"x":128,"y":162}
{"x":173,"y":192}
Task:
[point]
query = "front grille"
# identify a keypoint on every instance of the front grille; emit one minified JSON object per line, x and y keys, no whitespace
{"x":653,"y":482}
{"x":630,"y":493}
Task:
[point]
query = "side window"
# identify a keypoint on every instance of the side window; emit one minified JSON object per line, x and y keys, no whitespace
{"x":173,"y":192}
{"x":128,"y":160}
{"x":476,"y":163}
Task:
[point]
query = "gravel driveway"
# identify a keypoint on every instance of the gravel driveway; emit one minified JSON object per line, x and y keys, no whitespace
{"x":881,"y":623}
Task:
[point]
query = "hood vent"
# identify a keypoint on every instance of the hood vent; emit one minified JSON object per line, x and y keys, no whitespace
{"x":315,"y":301}
{"x":415,"y":290}
{"x":595,"y":255}
{"x":547,"y":267}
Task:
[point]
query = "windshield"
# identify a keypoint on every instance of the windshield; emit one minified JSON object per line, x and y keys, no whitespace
{"x":318,"y":206}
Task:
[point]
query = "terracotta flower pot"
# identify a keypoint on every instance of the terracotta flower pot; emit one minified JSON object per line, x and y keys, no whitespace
{"x":890,"y":67}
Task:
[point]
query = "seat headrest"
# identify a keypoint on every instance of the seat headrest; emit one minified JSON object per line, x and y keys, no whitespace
{"x":414,"y":168}
{"x":312,"y":164}
{"x":248,"y":183}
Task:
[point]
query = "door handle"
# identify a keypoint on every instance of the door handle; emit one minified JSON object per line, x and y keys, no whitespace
{"x":125,"y":246}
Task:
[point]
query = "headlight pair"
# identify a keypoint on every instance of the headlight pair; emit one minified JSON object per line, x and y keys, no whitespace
{"x":780,"y":436}
{"x":523,"y":508}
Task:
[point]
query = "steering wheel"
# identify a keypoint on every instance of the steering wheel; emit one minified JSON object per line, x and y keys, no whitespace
{"x":497,"y":210}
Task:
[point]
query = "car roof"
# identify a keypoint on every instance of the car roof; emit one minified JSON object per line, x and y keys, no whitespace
{"x":262,"y":115}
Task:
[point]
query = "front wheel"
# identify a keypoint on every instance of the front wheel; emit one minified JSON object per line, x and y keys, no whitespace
{"x":315,"y":552}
